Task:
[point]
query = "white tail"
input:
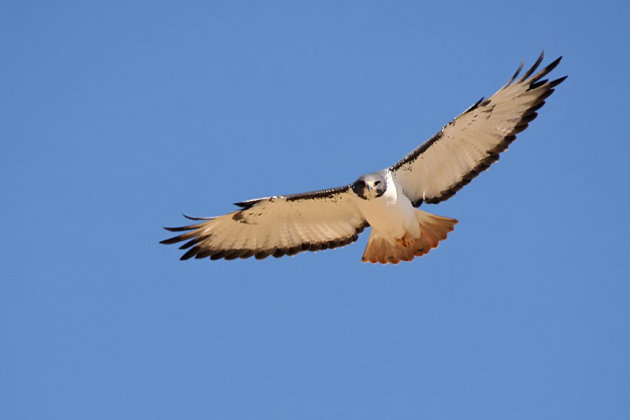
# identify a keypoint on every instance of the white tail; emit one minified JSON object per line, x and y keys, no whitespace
{"x":433,"y":229}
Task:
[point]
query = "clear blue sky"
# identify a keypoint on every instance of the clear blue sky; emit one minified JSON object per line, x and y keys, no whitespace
{"x":118,"y":116}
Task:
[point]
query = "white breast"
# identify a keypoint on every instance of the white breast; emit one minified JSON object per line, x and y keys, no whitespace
{"x":392,"y":213}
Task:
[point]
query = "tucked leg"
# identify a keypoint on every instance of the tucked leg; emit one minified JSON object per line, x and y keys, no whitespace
{"x":406,"y":241}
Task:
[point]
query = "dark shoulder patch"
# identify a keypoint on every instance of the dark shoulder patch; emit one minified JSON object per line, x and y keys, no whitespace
{"x":239,"y":216}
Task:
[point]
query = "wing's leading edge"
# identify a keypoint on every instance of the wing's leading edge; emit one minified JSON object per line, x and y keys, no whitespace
{"x":470,"y":143}
{"x":277,"y":226}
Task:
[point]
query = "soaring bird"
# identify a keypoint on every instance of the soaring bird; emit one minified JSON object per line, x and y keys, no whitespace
{"x":386,"y":200}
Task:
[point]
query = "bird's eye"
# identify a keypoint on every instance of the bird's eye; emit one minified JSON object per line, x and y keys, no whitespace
{"x":377,"y":183}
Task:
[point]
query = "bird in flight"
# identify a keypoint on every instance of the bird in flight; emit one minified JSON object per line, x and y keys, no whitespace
{"x":386,"y":200}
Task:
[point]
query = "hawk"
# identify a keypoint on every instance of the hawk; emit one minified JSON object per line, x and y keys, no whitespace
{"x":386,"y":200}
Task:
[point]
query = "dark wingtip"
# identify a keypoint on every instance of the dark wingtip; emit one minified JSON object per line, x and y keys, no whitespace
{"x":185,"y":228}
{"x":533,"y":81}
{"x":196,"y":218}
{"x":178,"y":229}
{"x":554,"y":64}
{"x":246,"y":204}
{"x":191,"y":252}
{"x":556,"y":82}
{"x":194,"y":241}
{"x":475,"y":105}
{"x":551,"y":66}
{"x":534,"y":67}
{"x":518,"y":70}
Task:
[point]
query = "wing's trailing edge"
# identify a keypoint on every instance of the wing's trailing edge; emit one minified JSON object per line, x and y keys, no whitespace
{"x":471,"y":142}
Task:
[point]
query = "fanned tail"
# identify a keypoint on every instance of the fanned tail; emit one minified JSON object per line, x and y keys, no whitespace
{"x":433,"y":229}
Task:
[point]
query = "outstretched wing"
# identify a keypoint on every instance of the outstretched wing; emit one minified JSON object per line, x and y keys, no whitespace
{"x":471,"y":142}
{"x":279,"y":225}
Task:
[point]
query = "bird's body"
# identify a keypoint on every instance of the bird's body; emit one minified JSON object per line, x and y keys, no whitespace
{"x":390,"y":213}
{"x":386,"y":200}
{"x":399,"y":231}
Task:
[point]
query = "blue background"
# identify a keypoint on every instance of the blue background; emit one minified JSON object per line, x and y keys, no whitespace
{"x":117,"y":116}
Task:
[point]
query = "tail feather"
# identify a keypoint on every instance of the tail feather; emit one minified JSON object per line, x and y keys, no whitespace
{"x":433,"y":229}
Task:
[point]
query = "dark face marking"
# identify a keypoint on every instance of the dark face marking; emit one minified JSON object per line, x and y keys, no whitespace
{"x":369,"y":186}
{"x":359,"y":188}
{"x":379,"y":190}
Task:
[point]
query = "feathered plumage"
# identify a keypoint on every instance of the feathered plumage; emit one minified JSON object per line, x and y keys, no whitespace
{"x":384,"y":200}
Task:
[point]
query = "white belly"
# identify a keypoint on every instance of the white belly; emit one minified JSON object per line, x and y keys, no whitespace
{"x":391,"y":214}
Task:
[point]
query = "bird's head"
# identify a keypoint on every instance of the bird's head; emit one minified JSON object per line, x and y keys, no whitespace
{"x":370,"y":186}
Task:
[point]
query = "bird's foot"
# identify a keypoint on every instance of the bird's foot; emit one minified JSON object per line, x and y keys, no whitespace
{"x":405,"y":241}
